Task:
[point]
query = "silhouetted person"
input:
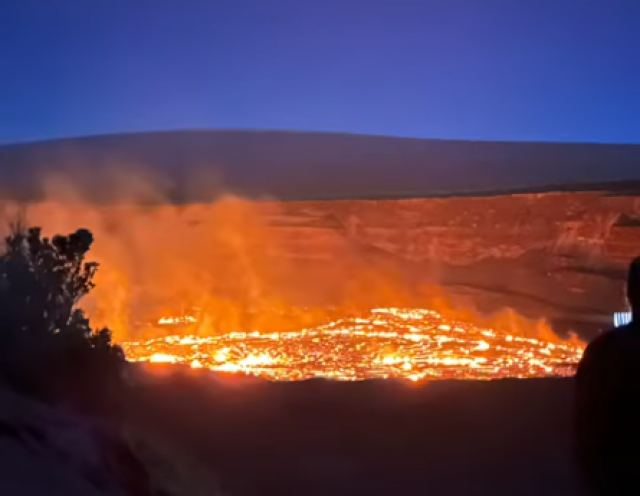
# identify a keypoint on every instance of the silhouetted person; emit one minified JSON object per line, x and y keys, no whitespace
{"x":608,"y":404}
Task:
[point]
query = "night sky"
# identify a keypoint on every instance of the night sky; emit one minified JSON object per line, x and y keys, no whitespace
{"x":550,"y":70}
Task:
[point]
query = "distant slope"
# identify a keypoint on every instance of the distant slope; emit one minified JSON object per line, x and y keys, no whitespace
{"x":192,"y":165}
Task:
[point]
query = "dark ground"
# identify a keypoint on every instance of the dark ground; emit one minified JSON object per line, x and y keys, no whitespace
{"x":509,"y":437}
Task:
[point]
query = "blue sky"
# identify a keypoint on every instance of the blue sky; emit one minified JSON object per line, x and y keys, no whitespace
{"x":485,"y":69}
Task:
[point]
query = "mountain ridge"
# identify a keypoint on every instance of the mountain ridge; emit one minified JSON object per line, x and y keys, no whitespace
{"x":192,"y":165}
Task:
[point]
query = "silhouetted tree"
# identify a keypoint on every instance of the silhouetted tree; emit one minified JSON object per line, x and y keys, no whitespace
{"x":47,"y":346}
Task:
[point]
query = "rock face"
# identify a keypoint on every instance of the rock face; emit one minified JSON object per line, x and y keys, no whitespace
{"x":465,"y":230}
{"x":557,"y":255}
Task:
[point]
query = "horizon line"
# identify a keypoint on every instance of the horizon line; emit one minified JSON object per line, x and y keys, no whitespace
{"x":185,"y":130}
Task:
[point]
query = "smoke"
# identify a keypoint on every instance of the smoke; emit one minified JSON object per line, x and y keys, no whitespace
{"x":232,"y":261}
{"x":235,"y":263}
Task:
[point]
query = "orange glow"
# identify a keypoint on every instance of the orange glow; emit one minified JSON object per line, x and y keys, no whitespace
{"x":288,"y":291}
{"x":413,"y":344}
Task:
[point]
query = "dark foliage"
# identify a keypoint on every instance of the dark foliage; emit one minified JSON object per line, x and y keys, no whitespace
{"x":47,"y":346}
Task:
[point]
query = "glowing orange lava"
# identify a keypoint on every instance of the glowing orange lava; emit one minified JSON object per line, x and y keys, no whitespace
{"x":405,"y":343}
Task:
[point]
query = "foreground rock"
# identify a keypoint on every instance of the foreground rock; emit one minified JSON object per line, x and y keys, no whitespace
{"x":192,"y":432}
{"x":369,"y":438}
{"x":47,"y":451}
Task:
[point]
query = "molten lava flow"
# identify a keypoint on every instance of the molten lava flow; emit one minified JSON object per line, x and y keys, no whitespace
{"x":406,"y":343}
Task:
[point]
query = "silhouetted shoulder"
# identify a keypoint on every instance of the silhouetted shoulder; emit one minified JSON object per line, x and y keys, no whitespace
{"x":598,"y":349}
{"x":602,"y":341}
{"x":611,"y":353}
